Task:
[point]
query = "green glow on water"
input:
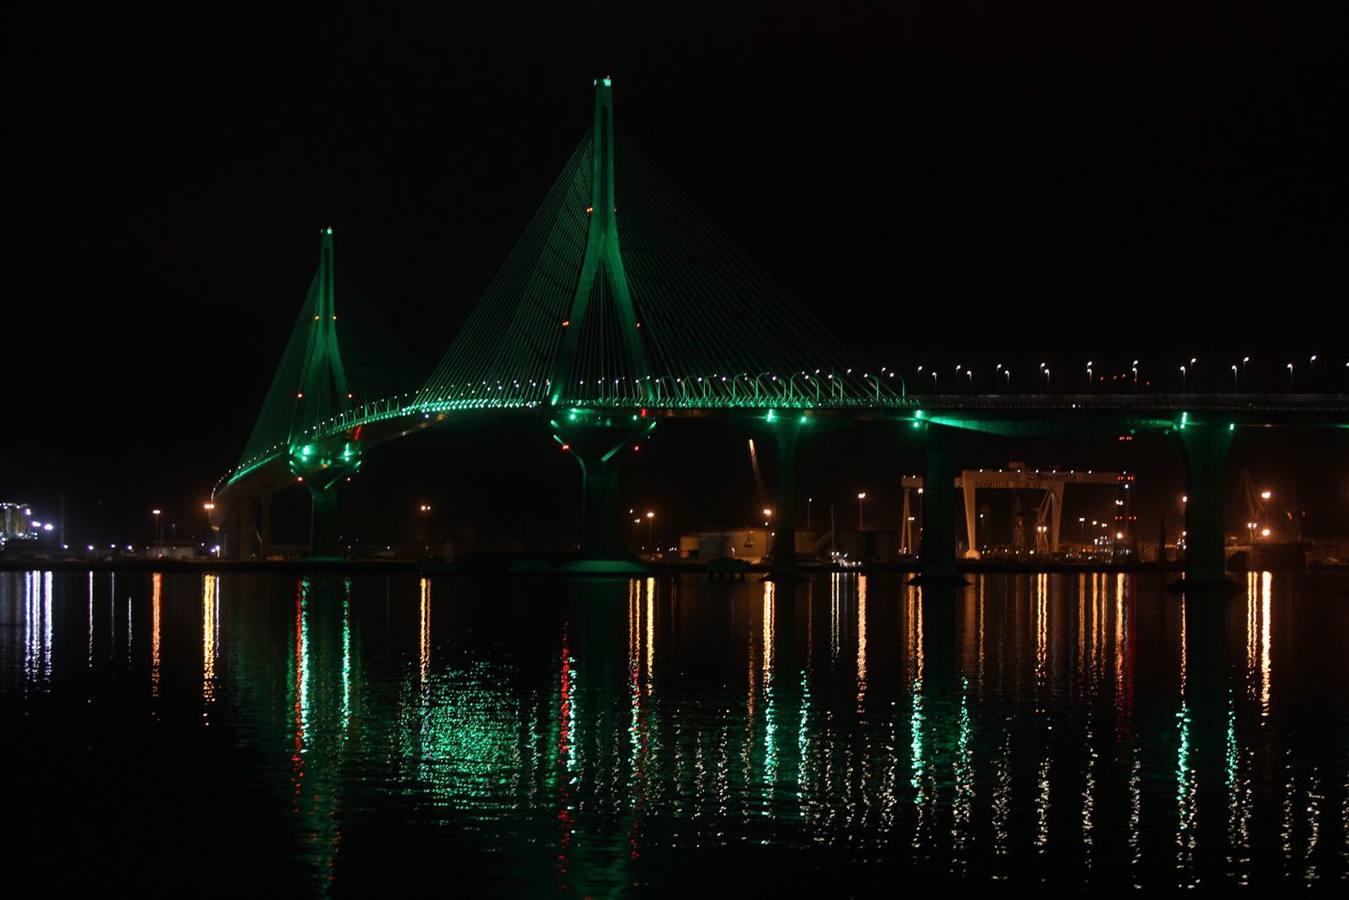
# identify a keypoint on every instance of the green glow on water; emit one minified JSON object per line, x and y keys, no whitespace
{"x":346,"y":656}
{"x":916,"y":763}
{"x":302,"y":657}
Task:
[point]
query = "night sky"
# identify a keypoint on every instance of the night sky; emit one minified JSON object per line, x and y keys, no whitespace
{"x":941,"y":183}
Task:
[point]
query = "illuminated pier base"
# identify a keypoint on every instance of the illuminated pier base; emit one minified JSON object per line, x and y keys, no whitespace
{"x":938,"y":553}
{"x":1206,"y":446}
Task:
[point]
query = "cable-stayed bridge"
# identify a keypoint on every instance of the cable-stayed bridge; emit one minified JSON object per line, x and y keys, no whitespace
{"x":623,"y":304}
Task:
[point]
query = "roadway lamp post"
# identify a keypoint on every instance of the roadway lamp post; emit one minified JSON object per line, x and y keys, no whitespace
{"x":209,"y":506}
{"x":157,"y":513}
{"x":1235,"y":383}
{"x":425,"y":510}
{"x":650,"y":528}
{"x":860,"y":497}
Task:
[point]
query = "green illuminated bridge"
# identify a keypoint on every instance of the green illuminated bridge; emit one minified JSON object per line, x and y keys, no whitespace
{"x":622,"y":305}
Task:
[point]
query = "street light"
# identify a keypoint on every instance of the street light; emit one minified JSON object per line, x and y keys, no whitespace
{"x":157,"y":513}
{"x":208,"y":506}
{"x":425,"y":510}
{"x":650,"y":527}
{"x":860,"y":497}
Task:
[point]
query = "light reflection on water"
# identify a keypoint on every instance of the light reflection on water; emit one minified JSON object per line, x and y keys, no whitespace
{"x":1059,"y":729}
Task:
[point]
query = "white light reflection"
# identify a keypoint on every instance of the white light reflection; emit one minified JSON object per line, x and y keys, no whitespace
{"x":770,"y":711}
{"x":424,"y":635}
{"x":1266,"y":584}
{"x":47,"y":627}
{"x":89,"y":662}
{"x":861,"y":641}
{"x":210,"y":636}
{"x":917,"y":764}
{"x":1186,"y":787}
{"x":962,"y":806}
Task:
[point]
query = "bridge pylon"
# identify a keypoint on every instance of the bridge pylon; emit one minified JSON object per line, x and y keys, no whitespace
{"x":321,"y":462}
{"x":602,"y":262}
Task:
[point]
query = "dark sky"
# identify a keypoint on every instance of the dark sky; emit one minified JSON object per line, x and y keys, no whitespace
{"x":939,"y":182}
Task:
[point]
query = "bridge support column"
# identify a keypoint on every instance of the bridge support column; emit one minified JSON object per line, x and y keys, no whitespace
{"x":323,"y":541}
{"x":1205,"y":446}
{"x":265,"y":526}
{"x":599,"y":505}
{"x":938,"y":551}
{"x":600,"y":443}
{"x":784,"y":566}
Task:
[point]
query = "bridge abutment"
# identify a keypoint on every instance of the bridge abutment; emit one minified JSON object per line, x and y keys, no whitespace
{"x":246,"y":527}
{"x":1206,"y":446}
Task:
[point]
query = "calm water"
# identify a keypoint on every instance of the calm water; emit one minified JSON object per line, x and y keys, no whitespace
{"x":191,"y":733}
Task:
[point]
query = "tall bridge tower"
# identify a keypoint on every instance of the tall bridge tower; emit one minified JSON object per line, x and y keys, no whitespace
{"x":322,"y":460}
